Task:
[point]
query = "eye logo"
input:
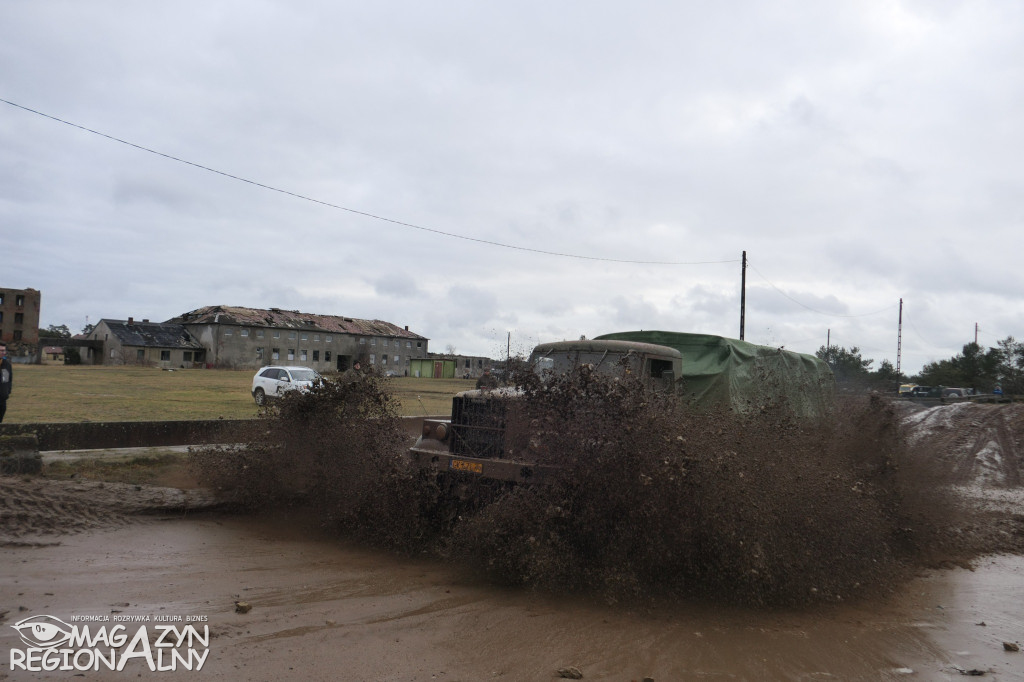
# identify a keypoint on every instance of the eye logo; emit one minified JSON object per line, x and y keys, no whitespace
{"x":43,"y":632}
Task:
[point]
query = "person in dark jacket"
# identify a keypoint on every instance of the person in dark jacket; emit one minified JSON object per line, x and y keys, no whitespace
{"x":487,"y":380}
{"x":6,"y":379}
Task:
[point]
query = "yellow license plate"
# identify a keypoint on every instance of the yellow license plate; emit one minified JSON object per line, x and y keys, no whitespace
{"x":463,"y":465}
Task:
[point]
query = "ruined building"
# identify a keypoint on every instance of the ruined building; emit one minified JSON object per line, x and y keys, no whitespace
{"x":19,"y":316}
{"x":236,"y":337}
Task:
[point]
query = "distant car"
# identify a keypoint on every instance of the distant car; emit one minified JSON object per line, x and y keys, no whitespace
{"x":273,"y":382}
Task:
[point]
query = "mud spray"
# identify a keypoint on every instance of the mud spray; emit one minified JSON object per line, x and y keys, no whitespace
{"x":656,"y":500}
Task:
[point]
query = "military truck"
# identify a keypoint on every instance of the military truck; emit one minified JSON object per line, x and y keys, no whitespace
{"x":473,"y":441}
{"x":706,"y":371}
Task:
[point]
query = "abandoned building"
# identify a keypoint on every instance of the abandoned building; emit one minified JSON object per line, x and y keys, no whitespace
{"x":127,"y":342}
{"x":236,"y":337}
{"x":253,"y":337}
{"x":19,"y":316}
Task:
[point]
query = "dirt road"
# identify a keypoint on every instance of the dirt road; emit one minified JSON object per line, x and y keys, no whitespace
{"x":326,"y":611}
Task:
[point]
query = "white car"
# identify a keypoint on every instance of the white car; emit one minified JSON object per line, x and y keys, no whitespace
{"x":272,"y":382}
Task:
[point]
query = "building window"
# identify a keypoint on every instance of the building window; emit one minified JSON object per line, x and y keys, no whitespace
{"x":373,"y":342}
{"x":111,"y":353}
{"x":165,"y":356}
{"x":19,"y":318}
{"x":1,"y":312}
{"x":327,"y":356}
{"x":228,"y":331}
{"x":468,"y":363}
{"x":245,"y":332}
{"x":305,"y":337}
{"x":362,"y":342}
{"x":373,"y":359}
{"x":316,"y":337}
{"x":291,"y":335}
{"x":277,"y":334}
{"x":327,"y":338}
{"x":302,"y":354}
{"x":291,"y":353}
{"x":186,"y":356}
{"x":385,"y":342}
{"x":1,"y":299}
{"x":398,"y":360}
{"x":408,"y":344}
{"x":384,"y":359}
{"x":419,"y":344}
{"x":17,"y":335}
{"x":259,"y":333}
{"x":275,"y":354}
{"x":140,"y":355}
{"x":316,"y":356}
{"x":259,"y":353}
{"x":19,"y":300}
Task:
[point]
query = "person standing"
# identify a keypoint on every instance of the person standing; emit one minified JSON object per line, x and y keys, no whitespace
{"x":487,"y":380}
{"x":6,"y":379}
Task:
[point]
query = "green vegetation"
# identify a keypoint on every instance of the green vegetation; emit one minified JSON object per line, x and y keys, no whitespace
{"x":975,"y":367}
{"x":56,"y":393}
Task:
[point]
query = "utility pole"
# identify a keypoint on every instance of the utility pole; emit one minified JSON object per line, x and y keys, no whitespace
{"x":975,"y":333}
{"x":899,"y":340}
{"x":743,"y":296}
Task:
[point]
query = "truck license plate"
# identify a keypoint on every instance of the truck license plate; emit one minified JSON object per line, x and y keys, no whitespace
{"x":463,"y":465}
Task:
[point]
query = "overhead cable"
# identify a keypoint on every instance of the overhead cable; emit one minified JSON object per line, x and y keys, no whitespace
{"x":366,"y":214}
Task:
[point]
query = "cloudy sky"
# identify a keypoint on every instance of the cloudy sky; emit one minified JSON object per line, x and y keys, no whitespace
{"x":548,"y":170}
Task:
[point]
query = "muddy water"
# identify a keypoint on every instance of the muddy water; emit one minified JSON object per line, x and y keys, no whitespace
{"x":321,"y":610}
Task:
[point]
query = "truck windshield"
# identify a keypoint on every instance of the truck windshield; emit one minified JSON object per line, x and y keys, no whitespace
{"x":604,"y":363}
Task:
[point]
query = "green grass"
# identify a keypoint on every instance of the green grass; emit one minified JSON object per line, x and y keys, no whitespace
{"x":59,"y":393}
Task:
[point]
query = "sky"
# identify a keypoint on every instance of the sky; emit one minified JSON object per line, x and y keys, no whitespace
{"x":505,"y":174}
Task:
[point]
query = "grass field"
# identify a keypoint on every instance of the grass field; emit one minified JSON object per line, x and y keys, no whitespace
{"x":59,"y":393}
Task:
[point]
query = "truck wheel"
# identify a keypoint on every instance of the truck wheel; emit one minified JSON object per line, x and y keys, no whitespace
{"x":259,"y":396}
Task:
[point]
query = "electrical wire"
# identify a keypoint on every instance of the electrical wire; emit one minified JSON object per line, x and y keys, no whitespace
{"x":807,"y":307}
{"x":374,"y":216}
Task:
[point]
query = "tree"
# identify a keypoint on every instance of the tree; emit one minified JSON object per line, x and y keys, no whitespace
{"x":1011,"y":365}
{"x":59,"y":331}
{"x":450,"y":350}
{"x":971,"y":368}
{"x":87,"y":329}
{"x":847,"y":365}
{"x":886,"y":378}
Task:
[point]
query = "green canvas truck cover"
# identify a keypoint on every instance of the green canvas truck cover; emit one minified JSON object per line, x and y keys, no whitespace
{"x":720,"y":372}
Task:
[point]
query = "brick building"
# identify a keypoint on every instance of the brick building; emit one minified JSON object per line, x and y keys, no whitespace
{"x":19,"y":316}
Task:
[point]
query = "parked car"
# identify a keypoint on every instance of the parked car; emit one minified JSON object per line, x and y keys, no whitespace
{"x":274,"y":381}
{"x":906,"y":389}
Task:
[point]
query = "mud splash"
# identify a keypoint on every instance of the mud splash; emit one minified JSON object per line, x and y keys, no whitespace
{"x":657,"y":500}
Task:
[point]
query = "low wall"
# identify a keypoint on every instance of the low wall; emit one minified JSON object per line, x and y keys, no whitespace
{"x":113,"y":435}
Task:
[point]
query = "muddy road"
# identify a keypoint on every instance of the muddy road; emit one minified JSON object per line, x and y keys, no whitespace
{"x":321,"y":608}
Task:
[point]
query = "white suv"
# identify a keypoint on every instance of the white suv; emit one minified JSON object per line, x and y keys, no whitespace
{"x":272,"y":382}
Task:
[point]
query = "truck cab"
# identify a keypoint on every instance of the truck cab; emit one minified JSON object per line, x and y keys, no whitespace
{"x":473,"y":441}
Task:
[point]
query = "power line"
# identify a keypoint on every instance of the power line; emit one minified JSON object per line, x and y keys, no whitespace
{"x":807,"y":307}
{"x":356,"y":211}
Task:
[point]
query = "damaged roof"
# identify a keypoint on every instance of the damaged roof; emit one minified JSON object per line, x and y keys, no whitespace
{"x":292,"y":319}
{"x":152,"y":334}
